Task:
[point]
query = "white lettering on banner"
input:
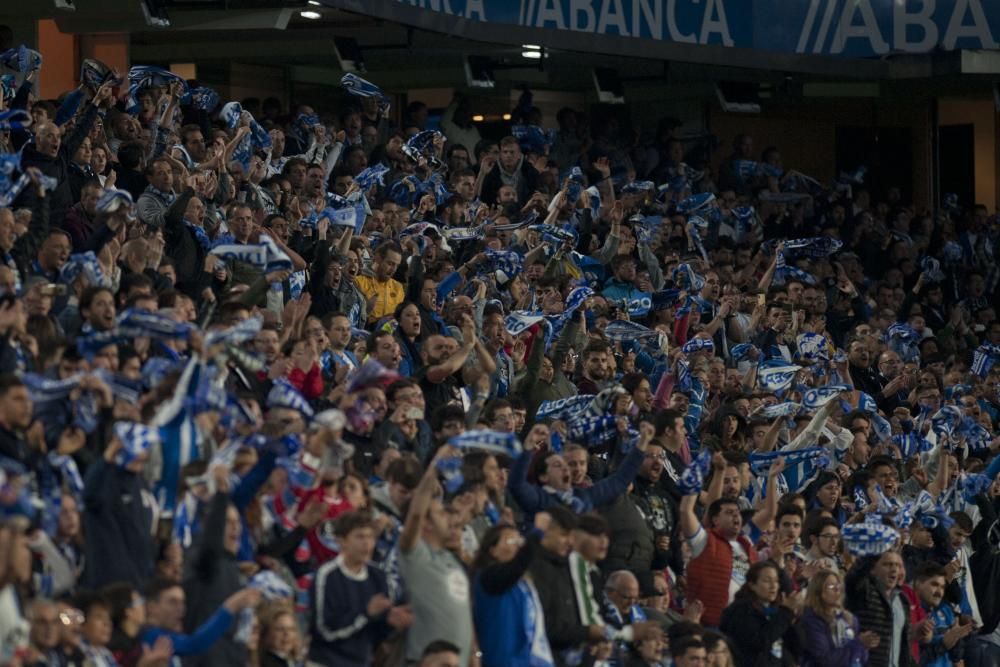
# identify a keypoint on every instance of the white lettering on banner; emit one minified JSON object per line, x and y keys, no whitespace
{"x":584,"y":7}
{"x":979,"y":29}
{"x":824,"y":28}
{"x":612,"y":18}
{"x":476,"y":7}
{"x":807,"y":26}
{"x":675,"y":32}
{"x":924,"y":19}
{"x":550,"y":11}
{"x":715,"y":26}
{"x":967,"y":19}
{"x":652,"y":11}
{"x":868,"y":30}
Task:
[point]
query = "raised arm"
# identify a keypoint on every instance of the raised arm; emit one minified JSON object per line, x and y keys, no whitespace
{"x":419,"y":504}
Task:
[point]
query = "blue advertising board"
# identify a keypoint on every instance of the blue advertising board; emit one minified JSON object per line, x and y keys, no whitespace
{"x":845,"y":28}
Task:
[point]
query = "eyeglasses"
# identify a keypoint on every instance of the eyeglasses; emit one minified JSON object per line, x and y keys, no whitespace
{"x":834,"y":587}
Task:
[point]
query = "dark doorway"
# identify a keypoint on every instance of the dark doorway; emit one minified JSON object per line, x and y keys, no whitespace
{"x":958,"y":167}
{"x":887,"y":152}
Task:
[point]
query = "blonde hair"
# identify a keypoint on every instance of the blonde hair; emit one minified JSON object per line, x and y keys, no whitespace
{"x":814,"y":597}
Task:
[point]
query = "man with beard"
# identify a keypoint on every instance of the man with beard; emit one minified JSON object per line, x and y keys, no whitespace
{"x":442,"y":358}
{"x":862,"y":375}
{"x":383,"y":348}
{"x":511,"y":170}
{"x":191,"y":150}
{"x":595,"y":368}
{"x":772,"y":342}
{"x":656,"y":505}
{"x":383,"y":292}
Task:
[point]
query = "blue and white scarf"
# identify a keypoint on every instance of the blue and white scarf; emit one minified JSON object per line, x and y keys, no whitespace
{"x":692,"y":479}
{"x":495,"y":442}
{"x":869,"y":539}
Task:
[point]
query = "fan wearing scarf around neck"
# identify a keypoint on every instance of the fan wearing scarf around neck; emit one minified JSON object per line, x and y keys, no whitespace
{"x":506,"y":600}
{"x":555,"y":485}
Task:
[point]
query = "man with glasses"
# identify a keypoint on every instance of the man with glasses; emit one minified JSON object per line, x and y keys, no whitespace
{"x":625,"y":615}
{"x":824,"y":547}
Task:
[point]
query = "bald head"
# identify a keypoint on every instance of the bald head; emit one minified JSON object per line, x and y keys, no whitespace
{"x":48,"y":139}
{"x":622,"y":589}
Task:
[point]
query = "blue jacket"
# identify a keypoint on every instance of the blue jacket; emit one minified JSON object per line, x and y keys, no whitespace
{"x":935,"y":654}
{"x":533,"y":498}
{"x":499,"y":604}
{"x":199,"y":641}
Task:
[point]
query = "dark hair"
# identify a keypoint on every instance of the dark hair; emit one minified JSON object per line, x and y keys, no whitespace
{"x":439,"y":646}
{"x":490,"y":539}
{"x":88,"y":295}
{"x":446,"y":413}
{"x":879,"y":461}
{"x":593,"y":524}
{"x":387,"y":246}
{"x":716,"y":507}
{"x":631,"y":381}
{"x":119,"y":598}
{"x":130,"y":155}
{"x":713,"y":639}
{"x":405,"y":471}
{"x":158,"y":586}
{"x":683,"y":645}
{"x":787,"y":509}
{"x":9,"y":381}
{"x":753,"y":574}
{"x":562,"y":517}
{"x":929,"y":570}
{"x":372,"y":343}
{"x":814,"y":524}
{"x":490,"y":409}
{"x":351,"y":521}
{"x":962,"y":521}
{"x":666,"y":419}
{"x":87,"y":600}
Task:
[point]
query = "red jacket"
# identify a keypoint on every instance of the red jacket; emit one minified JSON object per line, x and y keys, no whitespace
{"x":917,"y":616}
{"x":309,"y":384}
{"x":708,"y":575}
{"x":322,"y":543}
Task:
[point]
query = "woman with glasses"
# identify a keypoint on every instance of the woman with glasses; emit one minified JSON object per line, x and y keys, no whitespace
{"x":761,"y":620}
{"x":830,"y":633}
{"x":506,"y":607}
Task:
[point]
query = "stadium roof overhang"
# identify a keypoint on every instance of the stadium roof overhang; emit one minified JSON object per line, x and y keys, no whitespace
{"x":866,"y":40}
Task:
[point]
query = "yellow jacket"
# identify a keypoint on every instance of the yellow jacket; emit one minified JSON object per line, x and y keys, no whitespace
{"x":389,"y":294}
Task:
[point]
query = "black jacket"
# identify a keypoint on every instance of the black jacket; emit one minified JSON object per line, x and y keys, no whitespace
{"x":527,"y":183}
{"x":984,"y":565}
{"x":211,"y":575}
{"x":550,"y":574}
{"x":119,"y":545}
{"x":756,"y":636}
{"x":57,"y":167}
{"x":633,"y":543}
{"x":867,"y":601}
